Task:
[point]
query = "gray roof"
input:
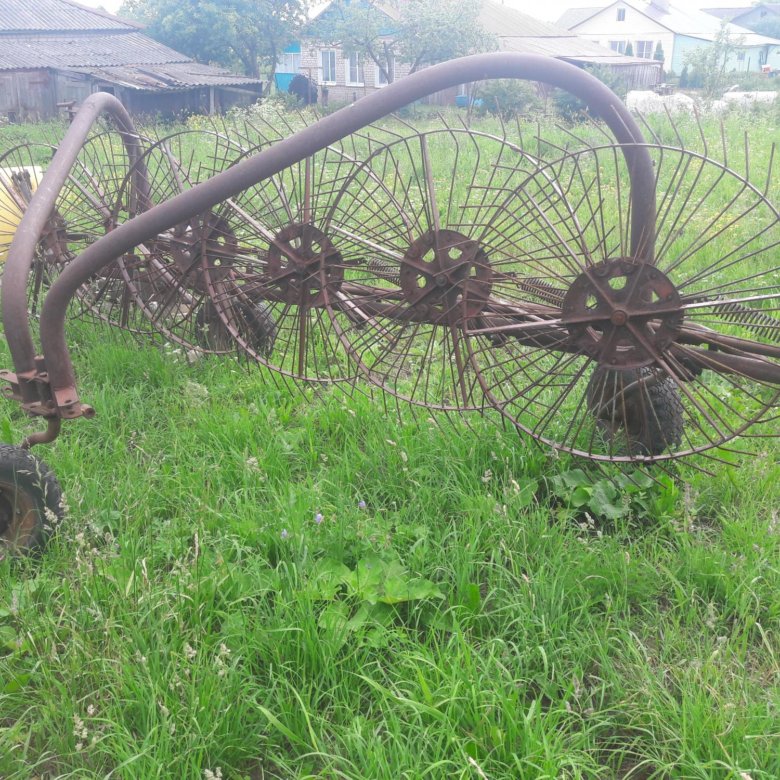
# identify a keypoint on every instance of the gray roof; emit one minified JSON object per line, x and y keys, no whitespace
{"x":168,"y":76}
{"x":56,"y":16}
{"x":519,"y":32}
{"x":502,"y":20}
{"x":735,"y":12}
{"x":64,"y":36}
{"x":689,"y":22}
{"x":80,"y":50}
{"x":571,"y":17}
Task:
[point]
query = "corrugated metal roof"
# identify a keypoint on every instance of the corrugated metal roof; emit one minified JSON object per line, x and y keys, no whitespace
{"x":56,"y":15}
{"x":170,"y":76}
{"x":65,"y":36}
{"x":571,"y":17}
{"x":735,"y":11}
{"x":501,"y":20}
{"x":84,"y":50}
{"x":727,"y":13}
{"x":519,"y":32}
{"x":581,"y":51}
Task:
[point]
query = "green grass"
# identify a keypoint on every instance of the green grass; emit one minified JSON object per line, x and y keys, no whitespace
{"x":173,"y":627}
{"x":490,"y":611}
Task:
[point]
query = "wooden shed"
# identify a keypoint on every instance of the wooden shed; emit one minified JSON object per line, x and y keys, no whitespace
{"x":55,"y":52}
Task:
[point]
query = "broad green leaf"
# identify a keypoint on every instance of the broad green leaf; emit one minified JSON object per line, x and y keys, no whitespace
{"x":606,"y":501}
{"x":580,"y":496}
{"x":400,"y":589}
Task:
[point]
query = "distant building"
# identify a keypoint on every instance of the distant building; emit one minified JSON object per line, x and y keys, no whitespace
{"x":646,"y":26}
{"x":348,"y":77}
{"x":751,"y":16}
{"x":55,"y":52}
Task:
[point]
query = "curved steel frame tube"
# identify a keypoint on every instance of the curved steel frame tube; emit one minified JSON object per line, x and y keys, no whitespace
{"x":268,"y":162}
{"x":22,"y":250}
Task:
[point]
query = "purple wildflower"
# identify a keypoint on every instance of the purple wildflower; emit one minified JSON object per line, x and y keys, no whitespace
{"x":318,"y":518}
{"x":361,"y":504}
{"x":285,"y":534}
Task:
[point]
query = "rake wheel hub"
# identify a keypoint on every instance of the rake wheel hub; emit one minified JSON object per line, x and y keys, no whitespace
{"x":622,"y":313}
{"x":301,"y":261}
{"x":445,"y":270}
{"x":204,"y":243}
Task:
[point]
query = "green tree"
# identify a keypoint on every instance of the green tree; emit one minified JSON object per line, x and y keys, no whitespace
{"x":249,"y":34}
{"x":708,"y":64}
{"x":361,"y":27}
{"x":438,"y":30}
{"x":417,"y":32}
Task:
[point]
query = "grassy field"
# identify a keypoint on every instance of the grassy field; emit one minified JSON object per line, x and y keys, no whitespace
{"x":256,"y":581}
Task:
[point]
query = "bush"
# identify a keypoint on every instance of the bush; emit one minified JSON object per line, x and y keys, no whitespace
{"x":507,"y":98}
{"x":572,"y":109}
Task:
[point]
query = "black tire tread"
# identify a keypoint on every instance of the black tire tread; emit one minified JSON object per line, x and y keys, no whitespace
{"x":258,"y":319}
{"x":36,"y":478}
{"x":656,"y":422}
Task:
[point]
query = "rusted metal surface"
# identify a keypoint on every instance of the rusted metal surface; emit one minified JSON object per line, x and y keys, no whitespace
{"x":453,"y":269}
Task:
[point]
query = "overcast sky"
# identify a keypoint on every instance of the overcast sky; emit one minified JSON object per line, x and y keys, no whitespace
{"x":543,"y":9}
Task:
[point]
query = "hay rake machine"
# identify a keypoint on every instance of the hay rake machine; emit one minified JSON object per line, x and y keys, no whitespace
{"x":613,"y":297}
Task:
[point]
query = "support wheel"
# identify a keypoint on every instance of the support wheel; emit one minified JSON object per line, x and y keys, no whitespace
{"x":256,"y":319}
{"x":638,"y":410}
{"x":30,"y":501}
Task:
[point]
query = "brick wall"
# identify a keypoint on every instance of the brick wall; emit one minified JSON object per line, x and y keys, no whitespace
{"x":341,"y":89}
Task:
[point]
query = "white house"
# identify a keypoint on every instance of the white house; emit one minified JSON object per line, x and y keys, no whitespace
{"x":348,"y":77}
{"x":678,"y":31}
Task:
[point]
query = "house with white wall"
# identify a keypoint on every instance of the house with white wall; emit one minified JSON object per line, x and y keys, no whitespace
{"x":348,"y":77}
{"x":678,"y":30}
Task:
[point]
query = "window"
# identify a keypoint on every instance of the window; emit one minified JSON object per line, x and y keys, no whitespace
{"x":740,"y":56}
{"x":328,"y":66}
{"x":644,"y":49}
{"x":381,"y":80}
{"x":621,"y":14}
{"x":355,"y":70}
{"x":618,"y":46}
{"x":289,"y":62}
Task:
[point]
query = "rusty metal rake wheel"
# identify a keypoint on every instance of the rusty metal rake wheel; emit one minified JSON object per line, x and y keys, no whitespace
{"x":162,"y":283}
{"x":289,"y":256}
{"x":30,"y":501}
{"x":696,"y":335}
{"x":417,"y":228}
{"x":480,"y":275}
{"x":21,"y":168}
{"x":88,"y":205}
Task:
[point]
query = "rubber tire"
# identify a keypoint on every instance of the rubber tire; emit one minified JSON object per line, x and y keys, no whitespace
{"x":27,"y":487}
{"x":212,"y":333}
{"x":654,"y":418}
